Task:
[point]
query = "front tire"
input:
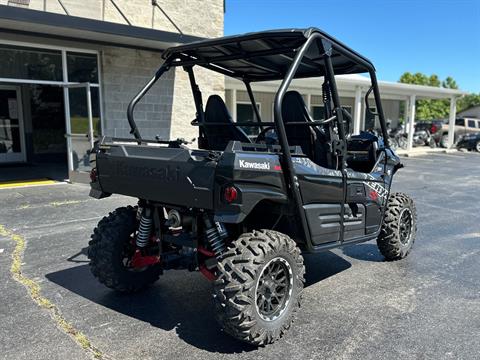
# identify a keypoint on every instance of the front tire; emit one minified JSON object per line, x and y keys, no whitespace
{"x":399,"y":227}
{"x":111,"y":247}
{"x":259,"y":286}
{"x":477,"y":146}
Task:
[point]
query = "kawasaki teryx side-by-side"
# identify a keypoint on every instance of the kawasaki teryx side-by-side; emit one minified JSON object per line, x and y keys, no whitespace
{"x":241,"y":210}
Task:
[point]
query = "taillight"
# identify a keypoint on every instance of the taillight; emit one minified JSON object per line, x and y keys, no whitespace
{"x":93,"y":175}
{"x":230,"y":194}
{"x":433,"y":130}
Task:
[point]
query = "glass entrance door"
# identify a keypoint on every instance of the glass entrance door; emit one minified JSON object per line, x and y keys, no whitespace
{"x":12,"y":142}
{"x":83,"y":124}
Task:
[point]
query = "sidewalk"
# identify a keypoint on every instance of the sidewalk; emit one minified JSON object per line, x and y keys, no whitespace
{"x":417,"y":151}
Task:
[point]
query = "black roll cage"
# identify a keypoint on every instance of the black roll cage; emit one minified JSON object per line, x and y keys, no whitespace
{"x":326,"y":47}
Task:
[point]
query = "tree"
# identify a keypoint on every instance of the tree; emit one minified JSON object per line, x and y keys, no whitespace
{"x":430,"y":109}
{"x":468,"y":101}
{"x":449,"y":83}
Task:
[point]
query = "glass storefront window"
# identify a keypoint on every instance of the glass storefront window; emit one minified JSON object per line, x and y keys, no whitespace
{"x":79,"y":111}
{"x":30,"y":63}
{"x":48,"y":119}
{"x":82,"y":67}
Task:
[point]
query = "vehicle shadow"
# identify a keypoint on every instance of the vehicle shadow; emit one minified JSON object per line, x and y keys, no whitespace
{"x":364,"y":252}
{"x":79,"y":257}
{"x":320,"y":266}
{"x":181,"y":301}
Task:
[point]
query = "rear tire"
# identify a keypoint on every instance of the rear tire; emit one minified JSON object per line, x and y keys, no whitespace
{"x":444,"y":141}
{"x":399,"y":227}
{"x":259,"y":286}
{"x":477,"y":146}
{"x":107,"y":253}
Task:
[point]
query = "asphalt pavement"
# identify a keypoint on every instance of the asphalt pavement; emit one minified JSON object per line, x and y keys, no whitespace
{"x":356,"y":305}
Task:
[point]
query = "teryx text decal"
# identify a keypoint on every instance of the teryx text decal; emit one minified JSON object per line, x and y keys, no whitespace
{"x":377,"y":191}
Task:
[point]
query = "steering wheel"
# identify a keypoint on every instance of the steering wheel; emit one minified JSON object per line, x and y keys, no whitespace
{"x":261,"y":136}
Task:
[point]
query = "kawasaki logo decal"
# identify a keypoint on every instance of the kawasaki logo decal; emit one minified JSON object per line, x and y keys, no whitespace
{"x":254,"y":165}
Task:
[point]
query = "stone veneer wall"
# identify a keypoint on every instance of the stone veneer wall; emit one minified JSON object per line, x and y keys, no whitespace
{"x":124,"y":72}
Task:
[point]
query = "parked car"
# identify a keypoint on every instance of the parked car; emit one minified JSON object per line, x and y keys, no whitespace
{"x":469,"y":142}
{"x":463,"y":126}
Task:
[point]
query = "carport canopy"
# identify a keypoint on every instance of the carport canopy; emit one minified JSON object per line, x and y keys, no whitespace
{"x":356,"y":86}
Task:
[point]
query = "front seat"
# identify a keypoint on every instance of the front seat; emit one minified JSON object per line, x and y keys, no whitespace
{"x":218,"y":136}
{"x":295,"y":110}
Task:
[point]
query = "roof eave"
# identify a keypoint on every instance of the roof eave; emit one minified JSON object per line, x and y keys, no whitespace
{"x":52,"y":25}
{"x":344,"y":82}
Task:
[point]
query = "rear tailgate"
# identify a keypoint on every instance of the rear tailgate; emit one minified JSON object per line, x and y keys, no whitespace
{"x":175,"y":176}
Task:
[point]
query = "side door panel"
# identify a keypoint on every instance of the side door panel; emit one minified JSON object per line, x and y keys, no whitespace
{"x":322,"y":194}
{"x":366,"y":193}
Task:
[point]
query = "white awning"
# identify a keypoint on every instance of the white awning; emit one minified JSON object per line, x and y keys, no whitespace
{"x":347,"y":84}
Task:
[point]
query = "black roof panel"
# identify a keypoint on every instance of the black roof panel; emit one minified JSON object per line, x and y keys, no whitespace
{"x":267,"y":55}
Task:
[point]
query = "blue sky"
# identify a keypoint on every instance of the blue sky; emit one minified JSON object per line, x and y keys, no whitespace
{"x":434,"y":37}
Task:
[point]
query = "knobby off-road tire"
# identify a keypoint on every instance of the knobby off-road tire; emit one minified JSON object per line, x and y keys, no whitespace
{"x":107,"y":253}
{"x":399,"y":227}
{"x":250,"y":274}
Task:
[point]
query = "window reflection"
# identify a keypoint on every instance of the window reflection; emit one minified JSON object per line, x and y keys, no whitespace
{"x":29,"y":63}
{"x":82,"y":67}
{"x":79,"y":111}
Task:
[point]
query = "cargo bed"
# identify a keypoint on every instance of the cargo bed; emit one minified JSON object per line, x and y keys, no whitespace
{"x":153,"y":171}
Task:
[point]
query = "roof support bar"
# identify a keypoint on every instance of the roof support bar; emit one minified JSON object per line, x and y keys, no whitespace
{"x":139,"y":96}
{"x":330,"y":75}
{"x":197,"y":96}
{"x":120,"y":12}
{"x":378,"y":103}
{"x":254,"y":104}
{"x":155,"y":4}
{"x":287,"y":164}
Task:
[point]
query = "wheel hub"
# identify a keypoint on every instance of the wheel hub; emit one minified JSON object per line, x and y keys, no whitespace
{"x":274,"y":288}
{"x":405,"y":226}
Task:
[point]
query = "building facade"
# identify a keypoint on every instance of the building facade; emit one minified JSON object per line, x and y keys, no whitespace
{"x":473,"y":111}
{"x":51,"y":51}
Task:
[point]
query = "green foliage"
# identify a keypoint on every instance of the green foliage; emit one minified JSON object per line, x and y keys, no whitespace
{"x":430,"y":109}
{"x":420,"y":79}
{"x":437,"y":109}
{"x":449,"y":83}
{"x":468,"y":101}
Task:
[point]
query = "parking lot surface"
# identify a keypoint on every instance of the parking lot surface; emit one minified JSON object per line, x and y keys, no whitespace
{"x":356,"y":306}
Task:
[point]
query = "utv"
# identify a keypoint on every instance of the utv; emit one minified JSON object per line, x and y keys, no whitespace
{"x":243,"y":211}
